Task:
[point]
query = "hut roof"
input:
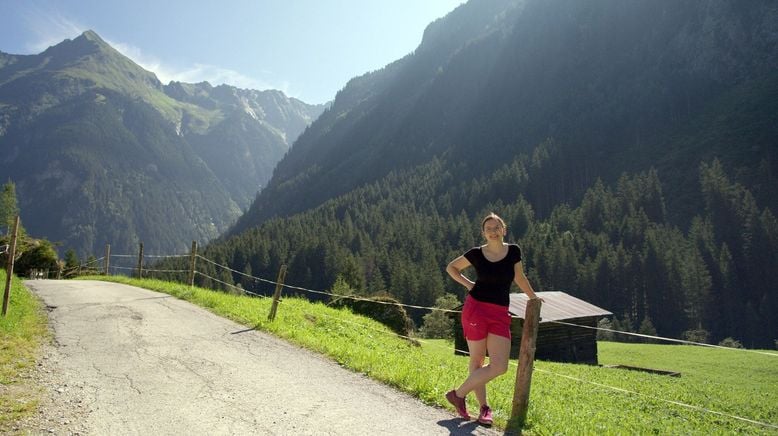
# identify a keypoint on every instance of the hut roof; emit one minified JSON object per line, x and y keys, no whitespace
{"x":556,"y":306}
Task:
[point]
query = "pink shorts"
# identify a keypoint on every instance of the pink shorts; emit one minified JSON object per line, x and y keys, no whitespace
{"x":479,"y":319}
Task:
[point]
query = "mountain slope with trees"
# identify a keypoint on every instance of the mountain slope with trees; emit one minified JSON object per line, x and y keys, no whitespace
{"x":630,"y":145}
{"x":102,"y":152}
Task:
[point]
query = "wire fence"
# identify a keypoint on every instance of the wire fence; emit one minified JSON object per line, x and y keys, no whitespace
{"x":410,"y":306}
{"x":93,"y":264}
{"x":514,"y":363}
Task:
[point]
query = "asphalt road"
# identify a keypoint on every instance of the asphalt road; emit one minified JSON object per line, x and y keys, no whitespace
{"x":148,"y":363}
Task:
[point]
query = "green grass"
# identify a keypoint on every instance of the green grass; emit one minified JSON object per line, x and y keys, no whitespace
{"x":22,"y":331}
{"x":113,"y":75}
{"x":564,"y":399}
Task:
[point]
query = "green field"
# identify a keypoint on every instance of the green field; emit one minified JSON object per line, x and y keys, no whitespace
{"x":718,"y":391}
{"x":22,"y":331}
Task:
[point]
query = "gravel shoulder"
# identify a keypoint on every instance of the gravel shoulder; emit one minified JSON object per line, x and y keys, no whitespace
{"x":126,"y":360}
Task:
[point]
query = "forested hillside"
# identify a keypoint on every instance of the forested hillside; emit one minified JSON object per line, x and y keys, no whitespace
{"x":630,"y":145}
{"x":618,"y":86}
{"x":101,"y":152}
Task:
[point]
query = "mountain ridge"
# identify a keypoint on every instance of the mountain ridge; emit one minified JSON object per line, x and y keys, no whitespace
{"x":92,"y":126}
{"x":518,"y":55}
{"x":630,"y":147}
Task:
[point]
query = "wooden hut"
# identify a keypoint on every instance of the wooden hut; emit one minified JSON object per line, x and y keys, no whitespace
{"x":556,"y":342}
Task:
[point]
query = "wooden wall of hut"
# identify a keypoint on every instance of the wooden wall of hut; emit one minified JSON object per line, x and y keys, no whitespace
{"x":555,"y":342}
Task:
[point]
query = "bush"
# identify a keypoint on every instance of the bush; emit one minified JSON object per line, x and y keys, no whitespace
{"x":624,"y":325}
{"x":438,"y":324}
{"x":32,"y":254}
{"x":383,"y":309}
{"x":647,"y":328}
{"x":602,"y":335}
{"x":697,"y":335}
{"x":731,"y":343}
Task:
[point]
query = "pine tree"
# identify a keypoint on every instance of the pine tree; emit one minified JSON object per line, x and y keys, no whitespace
{"x":9,"y":210}
{"x":439,"y":324}
{"x":697,"y":287}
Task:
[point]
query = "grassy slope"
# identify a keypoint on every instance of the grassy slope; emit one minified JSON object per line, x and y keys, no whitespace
{"x":730,"y":382}
{"x":112,"y":70}
{"x":22,"y":331}
{"x":564,"y":398}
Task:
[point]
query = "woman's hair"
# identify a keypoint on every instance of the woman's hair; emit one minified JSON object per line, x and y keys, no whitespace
{"x":493,"y":216}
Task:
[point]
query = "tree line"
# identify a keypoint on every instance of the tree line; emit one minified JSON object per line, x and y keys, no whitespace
{"x":616,"y":248}
{"x":707,"y":282}
{"x":31,"y":253}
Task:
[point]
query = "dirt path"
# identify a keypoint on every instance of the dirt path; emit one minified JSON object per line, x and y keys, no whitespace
{"x":133,"y":361}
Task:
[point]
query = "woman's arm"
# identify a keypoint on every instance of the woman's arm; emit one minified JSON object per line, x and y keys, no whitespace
{"x":521,"y":280}
{"x":454,"y":269}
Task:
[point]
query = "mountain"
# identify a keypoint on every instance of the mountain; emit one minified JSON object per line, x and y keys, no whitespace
{"x":102,"y":152}
{"x":616,"y":85}
{"x":631,"y":147}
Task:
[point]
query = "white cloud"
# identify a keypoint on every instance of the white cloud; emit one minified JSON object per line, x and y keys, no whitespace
{"x":217,"y":75}
{"x":213,"y":74}
{"x":50,"y":28}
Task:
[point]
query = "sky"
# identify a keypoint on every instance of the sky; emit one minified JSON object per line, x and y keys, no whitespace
{"x":308,"y":49}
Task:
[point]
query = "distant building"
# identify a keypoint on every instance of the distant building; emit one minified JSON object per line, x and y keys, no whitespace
{"x":555,"y":342}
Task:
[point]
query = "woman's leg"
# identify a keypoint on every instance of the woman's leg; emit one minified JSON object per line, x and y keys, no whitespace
{"x":477,"y":355}
{"x":499,"y":349}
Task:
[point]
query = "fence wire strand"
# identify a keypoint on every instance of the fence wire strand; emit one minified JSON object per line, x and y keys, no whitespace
{"x":681,"y":341}
{"x":245,"y":291}
{"x":677,"y":403}
{"x":459,"y":311}
{"x":514,"y":363}
{"x":410,"y":306}
{"x":384,"y":331}
{"x":352,"y":297}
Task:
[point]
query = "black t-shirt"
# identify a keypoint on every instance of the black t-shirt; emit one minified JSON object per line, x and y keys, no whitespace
{"x":493,"y":282}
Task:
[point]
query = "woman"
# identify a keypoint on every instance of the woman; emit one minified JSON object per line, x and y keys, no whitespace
{"x":485,"y":318}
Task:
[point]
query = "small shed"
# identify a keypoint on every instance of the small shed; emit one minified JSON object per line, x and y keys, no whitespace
{"x":555,"y":342}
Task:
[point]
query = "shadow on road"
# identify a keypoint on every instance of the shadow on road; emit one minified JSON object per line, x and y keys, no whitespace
{"x":459,"y":426}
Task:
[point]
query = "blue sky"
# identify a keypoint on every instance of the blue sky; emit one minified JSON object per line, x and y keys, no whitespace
{"x":308,"y":49}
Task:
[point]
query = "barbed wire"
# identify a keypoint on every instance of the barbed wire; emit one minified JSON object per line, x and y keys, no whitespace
{"x":459,"y":311}
{"x":95,"y":260}
{"x":384,"y":331}
{"x":82,"y":266}
{"x":352,"y":297}
{"x":514,"y":363}
{"x":135,"y":268}
{"x":651,"y":397}
{"x":681,"y":341}
{"x":410,"y":306}
{"x":165,"y":255}
{"x":245,"y":291}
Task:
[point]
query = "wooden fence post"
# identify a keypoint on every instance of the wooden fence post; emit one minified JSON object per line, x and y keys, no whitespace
{"x":529,"y":336}
{"x":140,"y":261}
{"x":277,"y":293}
{"x":107,"y":262}
{"x":192,"y":262}
{"x":9,"y":269}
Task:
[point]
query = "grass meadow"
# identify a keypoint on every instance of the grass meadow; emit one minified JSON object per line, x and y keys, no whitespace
{"x":22,"y":331}
{"x":719,"y":391}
